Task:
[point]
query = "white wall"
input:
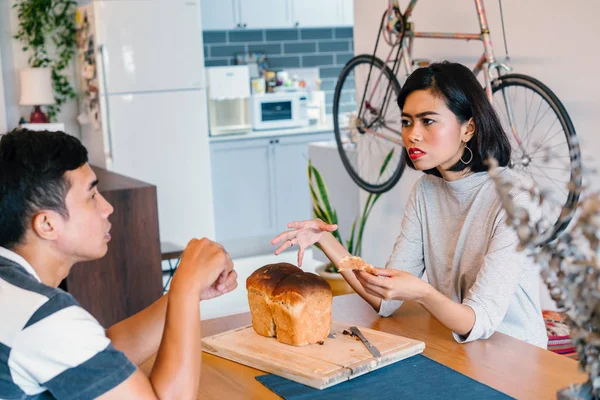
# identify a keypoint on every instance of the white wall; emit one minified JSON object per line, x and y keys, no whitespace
{"x":13,"y":60}
{"x":546,"y":39}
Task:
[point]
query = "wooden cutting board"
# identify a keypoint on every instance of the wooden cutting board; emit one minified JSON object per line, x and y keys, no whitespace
{"x":320,"y":366}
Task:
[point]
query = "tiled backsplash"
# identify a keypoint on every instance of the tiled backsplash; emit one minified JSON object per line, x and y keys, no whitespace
{"x":326,"y":48}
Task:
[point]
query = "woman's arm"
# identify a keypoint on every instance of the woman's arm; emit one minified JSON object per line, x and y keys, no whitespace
{"x":334,"y":250}
{"x":393,"y":284}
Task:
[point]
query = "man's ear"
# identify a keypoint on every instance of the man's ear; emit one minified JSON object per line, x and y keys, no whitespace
{"x":468,"y":130}
{"x":45,"y":224}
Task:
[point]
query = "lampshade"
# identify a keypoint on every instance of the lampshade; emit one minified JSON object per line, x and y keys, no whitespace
{"x":36,"y":87}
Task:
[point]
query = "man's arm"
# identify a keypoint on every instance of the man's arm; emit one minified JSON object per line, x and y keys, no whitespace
{"x":176,"y":372}
{"x":139,"y":335}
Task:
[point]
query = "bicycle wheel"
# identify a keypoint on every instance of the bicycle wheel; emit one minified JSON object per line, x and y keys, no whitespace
{"x":367,"y":124}
{"x":544,"y":146}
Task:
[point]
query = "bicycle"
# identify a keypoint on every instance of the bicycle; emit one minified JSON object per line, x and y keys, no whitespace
{"x":373,"y":123}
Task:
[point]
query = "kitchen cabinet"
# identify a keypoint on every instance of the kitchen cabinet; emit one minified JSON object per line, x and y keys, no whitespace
{"x":273,"y":14}
{"x":245,"y":14}
{"x":259,"y":185}
{"x":329,"y":13}
{"x":265,"y":14}
{"x":347,"y":12}
{"x":219,"y":15}
{"x":242,"y":180}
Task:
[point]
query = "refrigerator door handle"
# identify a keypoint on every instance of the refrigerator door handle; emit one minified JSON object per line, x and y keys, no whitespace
{"x":109,"y":151}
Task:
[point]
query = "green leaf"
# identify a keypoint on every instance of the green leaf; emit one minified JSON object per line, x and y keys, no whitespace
{"x":322,"y":190}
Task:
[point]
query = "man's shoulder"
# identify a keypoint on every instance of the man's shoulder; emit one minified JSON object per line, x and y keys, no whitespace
{"x":24,"y":300}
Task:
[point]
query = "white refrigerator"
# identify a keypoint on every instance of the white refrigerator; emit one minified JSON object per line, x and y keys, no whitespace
{"x":143,"y":105}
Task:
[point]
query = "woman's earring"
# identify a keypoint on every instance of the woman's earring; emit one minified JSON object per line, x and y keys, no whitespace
{"x":470,"y":158}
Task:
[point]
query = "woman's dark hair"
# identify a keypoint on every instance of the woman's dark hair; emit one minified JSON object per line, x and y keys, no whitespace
{"x":466,"y":98}
{"x":32,"y":177}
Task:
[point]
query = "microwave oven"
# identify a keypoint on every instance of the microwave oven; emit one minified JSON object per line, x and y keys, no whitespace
{"x":279,"y":110}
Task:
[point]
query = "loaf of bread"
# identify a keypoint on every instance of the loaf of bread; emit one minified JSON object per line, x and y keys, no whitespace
{"x":290,"y":304}
{"x":352,"y":262}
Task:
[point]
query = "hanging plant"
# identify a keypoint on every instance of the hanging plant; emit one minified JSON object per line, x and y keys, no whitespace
{"x":47,"y":31}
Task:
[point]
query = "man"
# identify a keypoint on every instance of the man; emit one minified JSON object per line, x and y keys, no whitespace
{"x":51,"y":217}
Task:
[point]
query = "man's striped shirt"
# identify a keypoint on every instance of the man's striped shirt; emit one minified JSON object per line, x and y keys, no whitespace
{"x":50,"y":347}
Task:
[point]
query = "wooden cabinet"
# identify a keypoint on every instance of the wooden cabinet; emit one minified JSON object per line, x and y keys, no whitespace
{"x":259,"y":185}
{"x":129,"y":277}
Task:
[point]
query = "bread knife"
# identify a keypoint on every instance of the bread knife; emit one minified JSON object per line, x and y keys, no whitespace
{"x":368,"y":344}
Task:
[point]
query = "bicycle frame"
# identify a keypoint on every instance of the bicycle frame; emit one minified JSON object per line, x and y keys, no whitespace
{"x":486,"y":63}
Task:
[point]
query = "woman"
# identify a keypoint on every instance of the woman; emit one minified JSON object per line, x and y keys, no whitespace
{"x":454,"y":228}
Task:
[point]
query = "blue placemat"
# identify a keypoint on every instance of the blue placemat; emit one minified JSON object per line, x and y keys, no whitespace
{"x":416,"y":377}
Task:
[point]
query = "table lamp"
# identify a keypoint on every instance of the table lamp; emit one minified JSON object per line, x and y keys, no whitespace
{"x":36,"y":90}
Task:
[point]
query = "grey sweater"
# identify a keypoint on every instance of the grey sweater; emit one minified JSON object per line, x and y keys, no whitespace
{"x":456,"y":232}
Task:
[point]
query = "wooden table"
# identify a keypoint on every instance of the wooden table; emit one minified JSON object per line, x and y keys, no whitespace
{"x":512,"y":366}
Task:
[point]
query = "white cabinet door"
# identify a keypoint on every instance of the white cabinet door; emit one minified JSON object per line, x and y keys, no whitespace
{"x":242,"y":189}
{"x":347,"y":12}
{"x":265,"y":14}
{"x":292,"y":193}
{"x":219,"y":15}
{"x":316,"y":13}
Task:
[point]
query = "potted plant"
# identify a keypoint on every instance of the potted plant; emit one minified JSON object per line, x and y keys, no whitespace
{"x":47,"y":31}
{"x":323,"y":210}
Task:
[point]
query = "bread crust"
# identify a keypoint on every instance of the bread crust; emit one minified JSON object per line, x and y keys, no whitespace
{"x":290,"y":304}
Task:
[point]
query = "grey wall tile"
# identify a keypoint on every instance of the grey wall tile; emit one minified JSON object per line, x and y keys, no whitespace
{"x":328,"y":84}
{"x":329,"y":72}
{"x":295,"y":48}
{"x":226,"y":50}
{"x":284,"y":62}
{"x":317,"y":61}
{"x":282,"y":34}
{"x":334,"y":45}
{"x":214,"y":37}
{"x":270,"y":49}
{"x":343,"y":33}
{"x":343,"y":58}
{"x":285,"y":48}
{"x":216,"y":63}
{"x":246,"y":36}
{"x":316,"y":33}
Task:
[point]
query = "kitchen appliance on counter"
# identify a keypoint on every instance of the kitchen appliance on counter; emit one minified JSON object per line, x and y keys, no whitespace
{"x":228,"y":99}
{"x":279,"y":110}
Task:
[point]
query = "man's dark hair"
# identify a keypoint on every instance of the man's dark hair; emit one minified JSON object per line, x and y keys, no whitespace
{"x":32,"y":177}
{"x":465,"y":97}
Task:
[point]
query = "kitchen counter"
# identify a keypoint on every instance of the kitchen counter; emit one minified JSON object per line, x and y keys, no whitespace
{"x":317,"y":128}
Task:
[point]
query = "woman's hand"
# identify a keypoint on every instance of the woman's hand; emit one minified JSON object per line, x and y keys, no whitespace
{"x":304,"y":234}
{"x":393,"y":284}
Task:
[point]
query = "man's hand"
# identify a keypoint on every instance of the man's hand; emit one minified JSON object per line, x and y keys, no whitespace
{"x":225,"y":284}
{"x":205,"y":269}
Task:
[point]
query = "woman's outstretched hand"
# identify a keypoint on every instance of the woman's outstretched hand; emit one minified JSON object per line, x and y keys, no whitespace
{"x":304,"y":234}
